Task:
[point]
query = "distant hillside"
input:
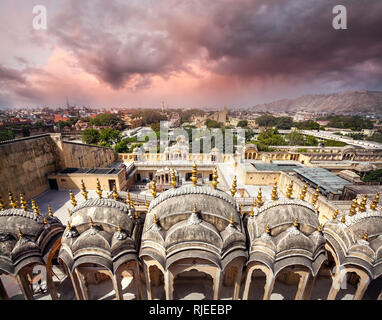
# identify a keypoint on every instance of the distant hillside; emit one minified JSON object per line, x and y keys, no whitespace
{"x":343,"y":102}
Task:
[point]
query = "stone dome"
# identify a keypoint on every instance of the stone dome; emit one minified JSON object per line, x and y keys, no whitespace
{"x":101,"y":231}
{"x":348,"y":243}
{"x":32,"y":245}
{"x":193,"y":221}
{"x":284,"y":233}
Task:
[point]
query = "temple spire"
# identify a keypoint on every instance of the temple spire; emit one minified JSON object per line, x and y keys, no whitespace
{"x":274,"y":192}
{"x":194,"y":177}
{"x":173,"y":178}
{"x":23,"y":203}
{"x":215,"y":178}
{"x":234,"y":185}
{"x":83,"y":189}
{"x":98,"y":189}
{"x":259,"y":199}
{"x":72,"y":198}
{"x":154,"y":188}
{"x":290,"y":190}
{"x":115,"y":193}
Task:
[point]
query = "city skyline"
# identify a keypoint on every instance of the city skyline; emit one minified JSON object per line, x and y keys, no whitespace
{"x":186,"y":53}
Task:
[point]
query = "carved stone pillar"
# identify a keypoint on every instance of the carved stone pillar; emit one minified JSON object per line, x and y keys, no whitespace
{"x":270,"y":282}
{"x":239,"y":272}
{"x":83,"y":285}
{"x":24,"y":286}
{"x":336,"y":285}
{"x":3,"y":292}
{"x":361,"y":288}
{"x":302,"y":286}
{"x":146,"y":271}
{"x":248,"y":281}
{"x":117,"y":285}
{"x":217,"y":283}
{"x":169,"y":285}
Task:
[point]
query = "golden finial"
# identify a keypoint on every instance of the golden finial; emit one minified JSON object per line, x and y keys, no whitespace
{"x":154,"y":188}
{"x":194,"y":177}
{"x":69,"y":226}
{"x":23,"y":203}
{"x":353,"y":207}
{"x":36,"y":210}
{"x":295,"y":223}
{"x":375,"y":202}
{"x":98,"y":189}
{"x":316,"y":195}
{"x":70,"y":214}
{"x":195,"y":210}
{"x":240,"y":208}
{"x":362,"y":206}
{"x":128,"y":199}
{"x":290,"y":190}
{"x":115,"y":193}
{"x":335,"y":214}
{"x":83,"y":189}
{"x":45,"y":221}
{"x":20,"y":233}
{"x":319,"y":228}
{"x":274,"y":192}
{"x":259,"y":198}
{"x":173,"y":178}
{"x":136,"y":215}
{"x":252,"y":212}
{"x":91,"y":222}
{"x":2,"y":206}
{"x":155,"y":219}
{"x":343,"y":220}
{"x":33,"y":204}
{"x":232,"y":220}
{"x":234,"y":185}
{"x":72,"y":198}
{"x":303,"y":192}
{"x":12,"y":201}
{"x":366,"y":236}
{"x":119,"y":227}
{"x":50,"y":211}
{"x":268,"y":229}
{"x":215,"y":178}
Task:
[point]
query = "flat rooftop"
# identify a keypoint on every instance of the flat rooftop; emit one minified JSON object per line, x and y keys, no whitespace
{"x":328,"y":181}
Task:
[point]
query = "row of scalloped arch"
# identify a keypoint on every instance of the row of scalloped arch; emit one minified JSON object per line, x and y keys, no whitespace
{"x":103,"y":202}
{"x":285,"y":201}
{"x":190,"y":189}
{"x":22,"y":213}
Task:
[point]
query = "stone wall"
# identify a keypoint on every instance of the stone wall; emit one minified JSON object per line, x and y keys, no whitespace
{"x":26,"y":163}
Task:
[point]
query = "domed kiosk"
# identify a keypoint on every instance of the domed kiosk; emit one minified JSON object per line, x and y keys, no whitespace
{"x":286,"y":241}
{"x":100,"y":243}
{"x":355,"y":241}
{"x":193,"y":229}
{"x":29,"y":241}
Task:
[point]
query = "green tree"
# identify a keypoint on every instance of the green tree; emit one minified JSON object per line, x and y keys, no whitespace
{"x":284,"y":123}
{"x":373,"y":176}
{"x":271,"y":137}
{"x":212,"y":124}
{"x":25,"y":131}
{"x":109,"y":136}
{"x":266,"y":121}
{"x":106,"y":120}
{"x":7,"y":135}
{"x":242,"y":123}
{"x":90,"y":136}
{"x":307,"y":125}
{"x":295,"y":139}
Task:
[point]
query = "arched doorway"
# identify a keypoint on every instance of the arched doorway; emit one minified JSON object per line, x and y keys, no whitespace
{"x":323,"y":279}
{"x":286,"y":285}
{"x":348,"y":286}
{"x":157,"y":283}
{"x":257,"y":286}
{"x":193,"y":285}
{"x":374,"y":290}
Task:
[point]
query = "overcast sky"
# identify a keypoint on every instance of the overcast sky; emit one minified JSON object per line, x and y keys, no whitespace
{"x":194,"y":53}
